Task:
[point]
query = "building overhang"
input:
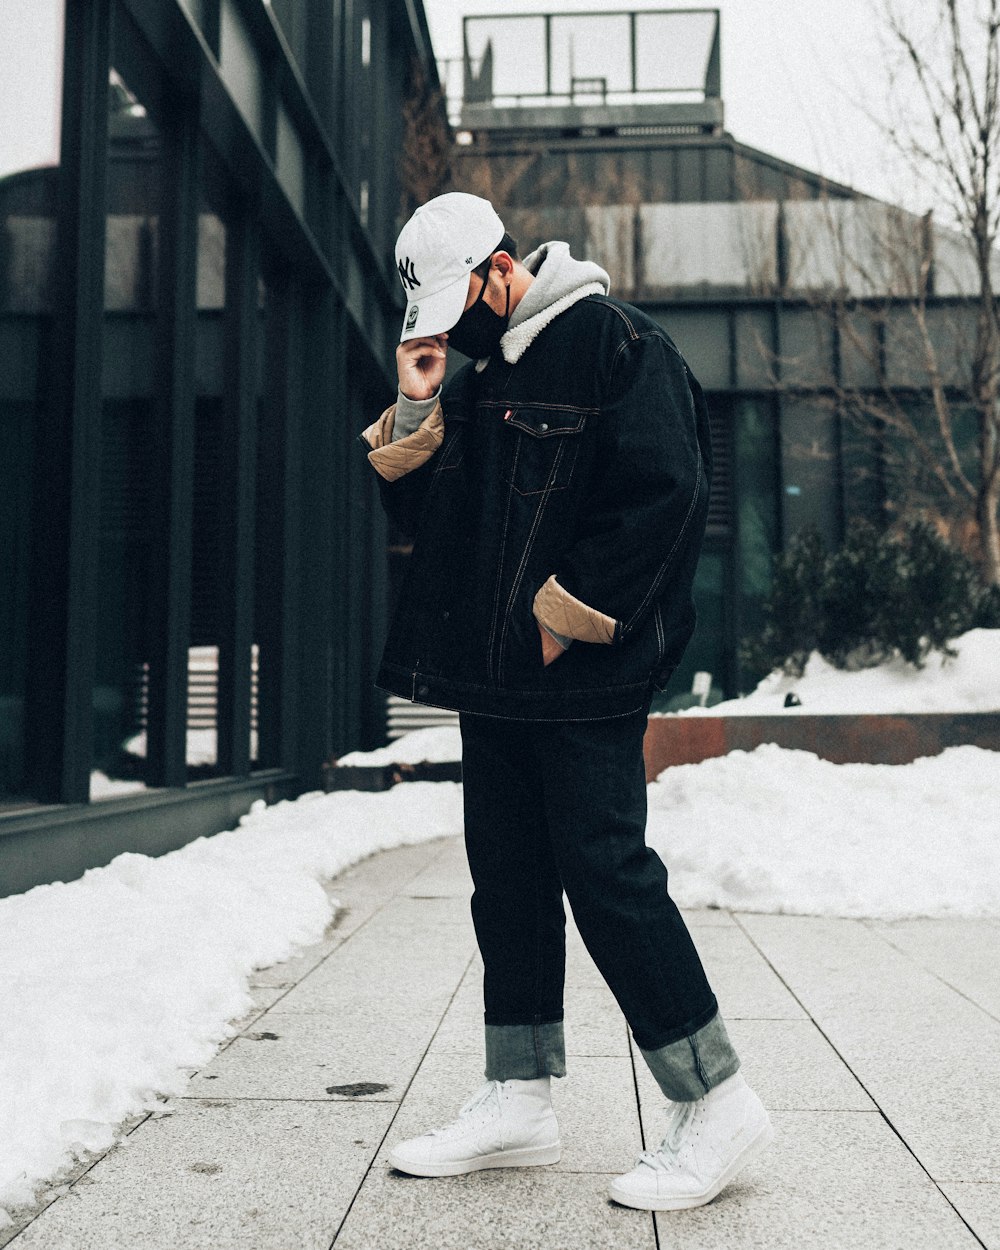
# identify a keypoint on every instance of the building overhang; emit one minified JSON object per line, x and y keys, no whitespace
{"x":705,"y":116}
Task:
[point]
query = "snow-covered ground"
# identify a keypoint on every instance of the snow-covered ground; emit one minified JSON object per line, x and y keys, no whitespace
{"x":968,"y":683}
{"x":114,"y":985}
{"x":783,"y":831}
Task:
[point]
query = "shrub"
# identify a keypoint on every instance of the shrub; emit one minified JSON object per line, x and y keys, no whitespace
{"x":907,"y":593}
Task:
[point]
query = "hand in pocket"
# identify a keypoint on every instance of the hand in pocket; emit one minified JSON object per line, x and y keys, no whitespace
{"x":551,"y":650}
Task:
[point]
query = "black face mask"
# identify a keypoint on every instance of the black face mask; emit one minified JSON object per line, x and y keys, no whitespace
{"x":477,"y":333}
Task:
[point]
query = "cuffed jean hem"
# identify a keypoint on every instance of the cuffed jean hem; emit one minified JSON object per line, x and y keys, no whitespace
{"x":522,"y":1052}
{"x":688,"y":1068}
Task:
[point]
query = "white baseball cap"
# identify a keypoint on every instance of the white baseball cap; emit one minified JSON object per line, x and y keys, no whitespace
{"x":437,"y":249}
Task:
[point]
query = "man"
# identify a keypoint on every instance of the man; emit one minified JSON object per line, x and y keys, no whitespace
{"x":556,"y":491}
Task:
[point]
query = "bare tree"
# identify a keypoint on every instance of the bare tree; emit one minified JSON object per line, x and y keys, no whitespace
{"x":944,"y":63}
{"x":426,"y":156}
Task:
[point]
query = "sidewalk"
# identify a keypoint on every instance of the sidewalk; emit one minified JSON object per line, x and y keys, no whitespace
{"x":876,"y":1047}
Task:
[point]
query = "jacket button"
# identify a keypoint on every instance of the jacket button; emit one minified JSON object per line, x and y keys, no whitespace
{"x":544,"y":426}
{"x":445,"y":614}
{"x":423,"y":690}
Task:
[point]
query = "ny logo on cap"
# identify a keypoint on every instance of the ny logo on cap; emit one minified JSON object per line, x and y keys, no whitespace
{"x":407,"y":275}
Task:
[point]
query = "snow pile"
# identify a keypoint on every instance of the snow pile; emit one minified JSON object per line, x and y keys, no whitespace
{"x":114,"y":984}
{"x":774,"y":830}
{"x":437,"y":745}
{"x":968,"y":683}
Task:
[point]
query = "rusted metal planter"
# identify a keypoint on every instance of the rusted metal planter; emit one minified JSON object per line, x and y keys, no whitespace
{"x":862,"y":739}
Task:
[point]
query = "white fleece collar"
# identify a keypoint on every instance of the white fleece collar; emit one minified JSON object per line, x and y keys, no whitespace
{"x":560,"y":282}
{"x":517,"y":341}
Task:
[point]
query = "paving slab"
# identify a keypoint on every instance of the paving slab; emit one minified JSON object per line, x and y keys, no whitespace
{"x":306,"y":1056}
{"x":964,"y":954}
{"x":446,"y":876}
{"x":924,"y":1052}
{"x":594,"y":1024}
{"x":515,"y":1209}
{"x":388,"y":962}
{"x":835,"y":965}
{"x":834,"y":1180}
{"x":220,"y":1176}
{"x":939,"y":1085}
{"x":699,"y":917}
{"x":979,"y":1206}
{"x":384,"y":875}
{"x":743,"y":981}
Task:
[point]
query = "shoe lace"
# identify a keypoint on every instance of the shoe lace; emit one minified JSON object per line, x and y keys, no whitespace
{"x":666,"y":1157}
{"x":479,"y":1099}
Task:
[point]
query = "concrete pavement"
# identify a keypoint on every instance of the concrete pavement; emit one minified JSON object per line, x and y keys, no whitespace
{"x":876,"y":1048}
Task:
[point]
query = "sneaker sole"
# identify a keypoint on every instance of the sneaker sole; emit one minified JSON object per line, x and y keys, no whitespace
{"x":527,"y":1157}
{"x":683,"y":1203}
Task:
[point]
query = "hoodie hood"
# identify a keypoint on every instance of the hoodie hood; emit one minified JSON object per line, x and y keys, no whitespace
{"x":560,"y":281}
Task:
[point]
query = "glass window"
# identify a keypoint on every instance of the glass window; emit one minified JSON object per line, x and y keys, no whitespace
{"x":31,"y":56}
{"x":290,"y":163}
{"x":240,"y":65}
{"x":208,"y":594}
{"x":130,"y":416}
{"x":706,"y":652}
{"x":265,"y":659}
{"x":756,"y":481}
{"x":810,"y":468}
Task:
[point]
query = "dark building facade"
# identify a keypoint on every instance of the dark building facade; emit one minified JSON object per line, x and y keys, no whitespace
{"x":198,"y":200}
{"x":785,"y":291}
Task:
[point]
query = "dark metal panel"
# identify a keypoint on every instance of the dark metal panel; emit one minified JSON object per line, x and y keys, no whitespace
{"x":61,"y":645}
{"x":719,"y":184}
{"x":239,"y":438}
{"x":758,"y":353}
{"x":60,"y":844}
{"x":321,"y":483}
{"x":170,"y":588}
{"x":690,"y":177}
{"x":859,"y":347}
{"x":293,"y":531}
{"x":703,"y":338}
{"x":271,"y":574}
{"x":807,"y":340}
{"x":809,"y":452}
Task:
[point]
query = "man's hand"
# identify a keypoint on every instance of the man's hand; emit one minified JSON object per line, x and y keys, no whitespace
{"x":551,"y":649}
{"x":420,"y":365}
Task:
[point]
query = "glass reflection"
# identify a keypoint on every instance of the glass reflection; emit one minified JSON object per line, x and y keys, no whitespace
{"x":31,"y":58}
{"x":128,"y":435}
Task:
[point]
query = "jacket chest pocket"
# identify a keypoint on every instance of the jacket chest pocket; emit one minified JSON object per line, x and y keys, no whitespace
{"x":540,"y":446}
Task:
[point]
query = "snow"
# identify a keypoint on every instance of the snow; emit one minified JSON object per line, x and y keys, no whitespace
{"x":104,"y":787}
{"x":968,"y":683}
{"x":437,"y":745}
{"x":115,"y":984}
{"x":774,"y":830}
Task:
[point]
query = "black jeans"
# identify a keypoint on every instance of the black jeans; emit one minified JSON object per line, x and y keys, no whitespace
{"x":554,"y":806}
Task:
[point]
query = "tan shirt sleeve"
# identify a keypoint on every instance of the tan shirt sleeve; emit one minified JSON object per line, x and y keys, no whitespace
{"x":392,"y":460}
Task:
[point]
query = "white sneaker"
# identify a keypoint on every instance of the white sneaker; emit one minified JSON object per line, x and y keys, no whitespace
{"x":707,"y":1143}
{"x":506,"y":1124}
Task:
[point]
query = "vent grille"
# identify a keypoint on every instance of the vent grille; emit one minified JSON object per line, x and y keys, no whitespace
{"x":720,"y":509}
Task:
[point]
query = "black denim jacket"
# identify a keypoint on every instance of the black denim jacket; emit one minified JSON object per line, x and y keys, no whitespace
{"x":588,"y":459}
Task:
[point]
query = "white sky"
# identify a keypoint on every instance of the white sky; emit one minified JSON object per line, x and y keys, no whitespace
{"x":793,"y":72}
{"x":30,"y":83}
